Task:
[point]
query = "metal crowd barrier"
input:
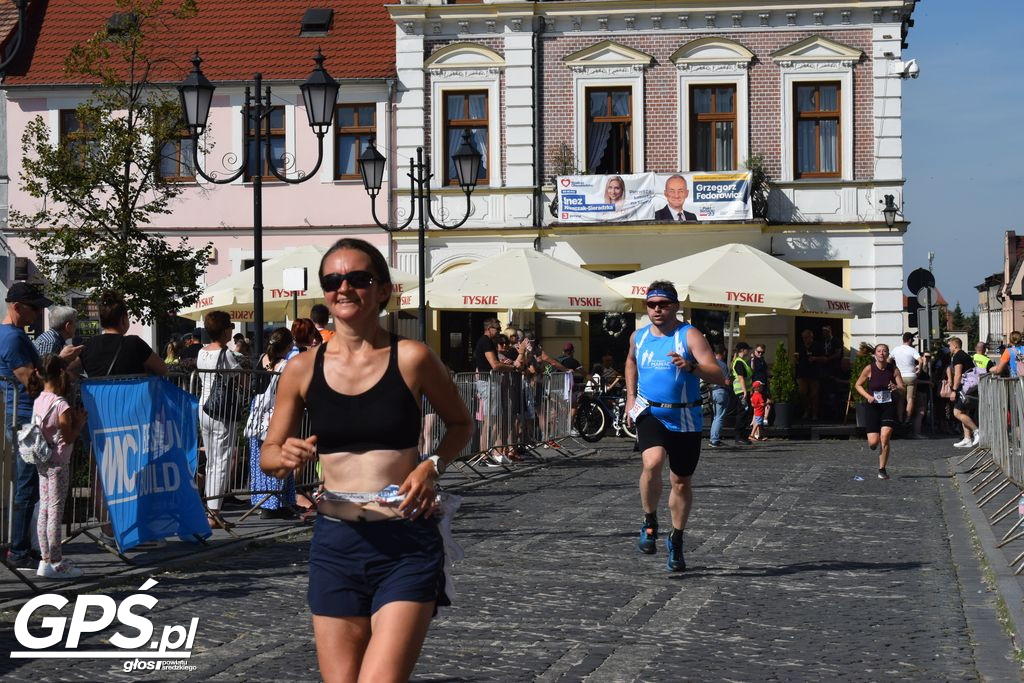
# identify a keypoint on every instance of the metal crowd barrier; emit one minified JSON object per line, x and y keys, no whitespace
{"x":999,"y":457}
{"x":8,"y":467}
{"x":512,"y":412}
{"x":515,"y":415}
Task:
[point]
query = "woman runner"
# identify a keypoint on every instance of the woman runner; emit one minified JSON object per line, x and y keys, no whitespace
{"x":375,"y":569}
{"x":882,"y":378}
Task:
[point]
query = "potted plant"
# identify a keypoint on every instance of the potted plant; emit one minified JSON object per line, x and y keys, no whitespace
{"x":783,"y":388}
{"x":860,"y":361}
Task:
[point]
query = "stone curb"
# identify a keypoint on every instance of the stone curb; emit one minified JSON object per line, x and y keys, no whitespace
{"x":994,"y":647}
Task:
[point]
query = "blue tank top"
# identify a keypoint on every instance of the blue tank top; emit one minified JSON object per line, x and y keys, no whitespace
{"x":658,"y":379}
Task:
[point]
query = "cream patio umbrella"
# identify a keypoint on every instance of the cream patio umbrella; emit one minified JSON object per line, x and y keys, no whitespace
{"x":233,"y":294}
{"x":741,"y":278}
{"x":521,"y":280}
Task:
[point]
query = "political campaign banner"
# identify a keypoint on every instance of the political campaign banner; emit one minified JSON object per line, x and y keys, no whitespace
{"x":145,"y":437}
{"x":654,"y":197}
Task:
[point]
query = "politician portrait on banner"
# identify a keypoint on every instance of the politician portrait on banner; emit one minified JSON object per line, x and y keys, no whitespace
{"x":654,"y":197}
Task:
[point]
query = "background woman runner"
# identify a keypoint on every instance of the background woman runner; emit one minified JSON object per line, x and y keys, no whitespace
{"x":375,"y":570}
{"x":881,"y":378}
{"x":218,"y":431}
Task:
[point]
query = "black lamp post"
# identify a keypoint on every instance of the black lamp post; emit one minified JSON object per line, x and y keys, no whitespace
{"x":467,"y":167}
{"x":889,"y":210}
{"x":319,"y":93}
{"x":19,"y":36}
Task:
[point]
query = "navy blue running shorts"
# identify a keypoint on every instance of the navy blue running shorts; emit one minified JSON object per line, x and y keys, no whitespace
{"x":355,"y":568}
{"x":683,"y":448}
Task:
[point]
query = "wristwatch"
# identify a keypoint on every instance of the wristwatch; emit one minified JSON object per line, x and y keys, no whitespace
{"x":439,"y":465}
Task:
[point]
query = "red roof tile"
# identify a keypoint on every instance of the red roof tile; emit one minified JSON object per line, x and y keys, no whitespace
{"x":235,"y":39}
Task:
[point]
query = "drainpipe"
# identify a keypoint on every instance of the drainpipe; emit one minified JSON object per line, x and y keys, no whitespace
{"x":389,"y":118}
{"x":538,"y":150}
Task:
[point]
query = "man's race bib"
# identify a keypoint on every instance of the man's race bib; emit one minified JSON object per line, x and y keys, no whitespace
{"x":883,"y":396}
{"x":639,"y":406}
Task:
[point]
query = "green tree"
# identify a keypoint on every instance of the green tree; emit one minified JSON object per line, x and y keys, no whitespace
{"x":760,"y":185}
{"x":101,"y":188}
{"x":959,"y":319}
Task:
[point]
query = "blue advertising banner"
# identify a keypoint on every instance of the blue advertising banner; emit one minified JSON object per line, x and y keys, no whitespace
{"x":655,"y":197}
{"x":145,"y":437}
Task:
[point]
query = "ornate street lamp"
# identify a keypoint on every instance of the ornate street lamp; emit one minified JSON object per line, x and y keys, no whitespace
{"x":320,"y":94}
{"x":467,"y":168}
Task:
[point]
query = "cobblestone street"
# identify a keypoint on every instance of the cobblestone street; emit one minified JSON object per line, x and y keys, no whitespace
{"x":797,"y":571}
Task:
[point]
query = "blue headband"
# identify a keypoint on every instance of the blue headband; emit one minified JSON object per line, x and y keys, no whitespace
{"x":661,"y":292}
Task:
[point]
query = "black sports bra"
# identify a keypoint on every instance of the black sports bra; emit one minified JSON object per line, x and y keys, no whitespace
{"x":385,"y":417}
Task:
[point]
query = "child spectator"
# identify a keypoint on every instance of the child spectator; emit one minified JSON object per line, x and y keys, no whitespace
{"x":61,"y":425}
{"x":757,"y":400}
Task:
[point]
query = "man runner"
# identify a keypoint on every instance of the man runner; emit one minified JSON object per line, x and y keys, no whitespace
{"x":666,"y":361}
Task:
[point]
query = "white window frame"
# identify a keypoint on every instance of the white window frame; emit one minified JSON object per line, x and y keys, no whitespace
{"x":816,"y":59}
{"x":443,"y":82}
{"x":740,"y":82}
{"x":844,"y":77}
{"x":713,"y":61}
{"x":582,"y":81}
{"x":355,"y":95}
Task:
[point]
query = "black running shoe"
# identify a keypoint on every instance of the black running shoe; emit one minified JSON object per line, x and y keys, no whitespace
{"x":882,"y":474}
{"x":648,"y":543}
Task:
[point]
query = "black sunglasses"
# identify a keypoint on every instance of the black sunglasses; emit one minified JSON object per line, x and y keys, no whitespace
{"x":659,"y":304}
{"x":357,"y":279}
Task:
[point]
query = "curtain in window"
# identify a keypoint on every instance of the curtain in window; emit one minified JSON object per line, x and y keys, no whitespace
{"x":187,"y":167}
{"x":478,"y":107}
{"x":620,"y":104}
{"x":805,"y":151}
{"x":701,"y":146}
{"x":454,"y":140}
{"x":828,"y":131}
{"x":828,"y":98}
{"x":723,"y":145}
{"x":168,"y":164}
{"x":277,"y":153}
{"x":479,"y":142}
{"x":346,"y":155}
{"x":597,"y":142}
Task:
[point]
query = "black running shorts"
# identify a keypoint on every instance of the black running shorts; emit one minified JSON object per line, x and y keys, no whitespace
{"x":683,"y":448}
{"x":880,"y":415}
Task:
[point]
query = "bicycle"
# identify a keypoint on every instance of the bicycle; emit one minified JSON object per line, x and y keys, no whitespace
{"x":594,"y":413}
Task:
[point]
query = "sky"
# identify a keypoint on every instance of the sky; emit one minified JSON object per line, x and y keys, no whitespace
{"x":963,"y":140}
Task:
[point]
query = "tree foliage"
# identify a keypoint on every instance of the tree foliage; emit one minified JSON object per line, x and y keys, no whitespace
{"x":99,"y":188}
{"x":760,"y":185}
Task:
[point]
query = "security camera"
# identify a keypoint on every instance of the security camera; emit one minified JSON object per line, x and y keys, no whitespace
{"x":912,"y":69}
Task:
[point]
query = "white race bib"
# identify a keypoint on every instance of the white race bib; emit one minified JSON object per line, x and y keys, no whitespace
{"x":883,"y":396}
{"x":639,"y":406}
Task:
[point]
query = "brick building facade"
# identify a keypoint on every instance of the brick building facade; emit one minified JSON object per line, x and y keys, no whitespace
{"x":529,"y":67}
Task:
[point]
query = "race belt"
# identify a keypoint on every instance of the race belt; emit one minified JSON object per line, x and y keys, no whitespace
{"x":659,"y":404}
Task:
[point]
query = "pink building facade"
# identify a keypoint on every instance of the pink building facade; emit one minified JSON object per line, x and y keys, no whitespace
{"x":359,"y":51}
